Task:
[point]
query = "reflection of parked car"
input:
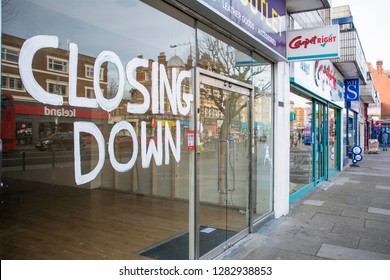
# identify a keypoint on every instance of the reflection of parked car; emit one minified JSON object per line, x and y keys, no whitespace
{"x":123,"y":141}
{"x":263,"y":138}
{"x":59,"y":140}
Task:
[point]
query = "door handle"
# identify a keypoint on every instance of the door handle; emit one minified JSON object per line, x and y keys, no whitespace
{"x":233,"y":165}
{"x":222,"y":188}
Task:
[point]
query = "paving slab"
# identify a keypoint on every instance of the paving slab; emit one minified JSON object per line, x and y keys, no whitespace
{"x":328,"y":237}
{"x":360,"y":232}
{"x":379,"y":246}
{"x":288,"y":255}
{"x":314,"y":202}
{"x":380,"y":187}
{"x":345,"y":218}
{"x":343,"y":253}
{"x":378,"y":211}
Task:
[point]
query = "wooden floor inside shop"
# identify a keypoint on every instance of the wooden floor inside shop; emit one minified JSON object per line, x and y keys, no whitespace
{"x":45,"y":221}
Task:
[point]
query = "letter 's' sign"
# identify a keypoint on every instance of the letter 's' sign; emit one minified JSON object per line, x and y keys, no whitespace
{"x":352,"y":89}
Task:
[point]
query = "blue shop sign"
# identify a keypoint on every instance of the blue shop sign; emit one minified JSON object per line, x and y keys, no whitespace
{"x":352,"y":89}
{"x":263,"y":19}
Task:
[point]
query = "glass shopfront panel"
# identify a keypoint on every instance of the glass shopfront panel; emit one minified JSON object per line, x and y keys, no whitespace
{"x":352,"y":131}
{"x":332,"y":139}
{"x":263,"y":141}
{"x":107,"y":159}
{"x":301,"y":142}
{"x":121,"y":189}
{"x":320,"y":143}
{"x":228,"y":90}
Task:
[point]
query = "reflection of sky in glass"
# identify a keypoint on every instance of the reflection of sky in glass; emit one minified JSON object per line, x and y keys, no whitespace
{"x":128,"y":28}
{"x":299,"y":102}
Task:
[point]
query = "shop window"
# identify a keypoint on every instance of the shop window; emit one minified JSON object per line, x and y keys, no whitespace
{"x":301,"y":151}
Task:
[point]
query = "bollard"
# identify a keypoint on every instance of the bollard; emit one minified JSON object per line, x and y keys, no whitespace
{"x":53,"y":158}
{"x":23,"y":160}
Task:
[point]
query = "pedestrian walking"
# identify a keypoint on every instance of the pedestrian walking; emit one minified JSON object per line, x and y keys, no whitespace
{"x":385,"y":140}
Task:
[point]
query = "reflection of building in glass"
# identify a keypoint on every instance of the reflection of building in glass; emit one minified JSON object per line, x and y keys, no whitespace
{"x":301,"y":117}
{"x":144,"y":76}
{"x":51,"y":71}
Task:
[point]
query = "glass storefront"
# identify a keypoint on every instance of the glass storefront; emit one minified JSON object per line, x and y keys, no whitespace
{"x":301,"y":148}
{"x":351,"y":132}
{"x":332,"y":139}
{"x":133,"y":138}
{"x":313,"y":143}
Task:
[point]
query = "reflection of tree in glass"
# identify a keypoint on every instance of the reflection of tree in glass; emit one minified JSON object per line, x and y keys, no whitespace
{"x":112,"y":88}
{"x":218,"y":57}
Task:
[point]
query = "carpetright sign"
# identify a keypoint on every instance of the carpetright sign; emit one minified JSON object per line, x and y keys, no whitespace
{"x":313,"y":43}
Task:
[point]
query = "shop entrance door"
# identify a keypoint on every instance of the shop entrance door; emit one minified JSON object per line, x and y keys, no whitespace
{"x":224,"y":161}
{"x":320,"y":143}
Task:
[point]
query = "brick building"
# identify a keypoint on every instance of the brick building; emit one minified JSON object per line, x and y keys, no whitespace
{"x":51,"y":71}
{"x":381,"y":79}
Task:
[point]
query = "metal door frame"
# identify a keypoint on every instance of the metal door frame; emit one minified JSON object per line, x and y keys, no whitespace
{"x":242,"y":88}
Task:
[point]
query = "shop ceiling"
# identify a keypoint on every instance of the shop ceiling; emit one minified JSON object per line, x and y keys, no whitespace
{"x":298,"y":6}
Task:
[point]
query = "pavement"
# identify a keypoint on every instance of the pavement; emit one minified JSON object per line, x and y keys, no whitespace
{"x":345,"y":218}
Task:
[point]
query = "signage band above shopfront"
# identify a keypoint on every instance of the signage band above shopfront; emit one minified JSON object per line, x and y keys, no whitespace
{"x":263,"y":19}
{"x":313,"y":43}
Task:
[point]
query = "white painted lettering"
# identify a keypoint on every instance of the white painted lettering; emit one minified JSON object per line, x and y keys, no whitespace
{"x":91,"y":128}
{"x":122,"y":167}
{"x":170,"y":91}
{"x":187,"y":97}
{"x":174,"y":89}
{"x":108,"y":104}
{"x":176,"y":151}
{"x":130,"y":67}
{"x":152,"y":150}
{"x":26,"y":56}
{"x":74,"y":100}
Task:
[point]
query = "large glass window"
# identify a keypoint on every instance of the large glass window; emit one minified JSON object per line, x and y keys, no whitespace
{"x":332,"y":138}
{"x":263,"y":138}
{"x":301,"y":142}
{"x":85,"y":182}
{"x":110,"y":158}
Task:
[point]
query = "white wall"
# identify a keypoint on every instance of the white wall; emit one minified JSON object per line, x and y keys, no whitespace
{"x":282,"y":136}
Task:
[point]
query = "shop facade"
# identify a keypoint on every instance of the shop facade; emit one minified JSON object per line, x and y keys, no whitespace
{"x":316,"y":127}
{"x":174,"y":122}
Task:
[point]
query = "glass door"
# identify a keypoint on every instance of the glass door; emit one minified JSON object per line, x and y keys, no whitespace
{"x":224,"y":160}
{"x":320,"y":142}
{"x":332,"y":139}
